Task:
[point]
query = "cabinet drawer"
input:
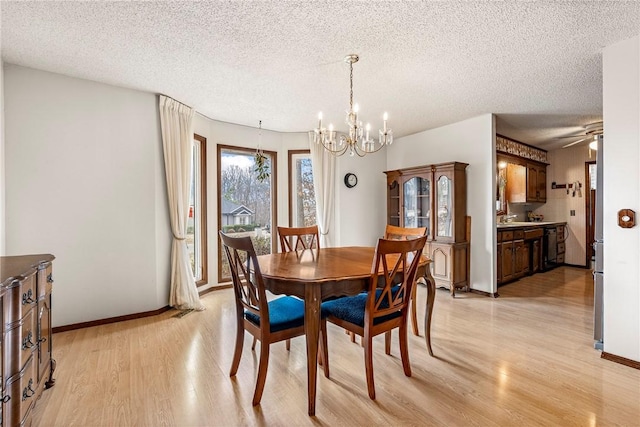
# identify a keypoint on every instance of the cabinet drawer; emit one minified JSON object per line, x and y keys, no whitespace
{"x":20,"y":298}
{"x":560,"y":259}
{"x":44,"y":283}
{"x":533,"y":234}
{"x":506,"y":236}
{"x":518,"y":234}
{"x":561,"y":247}
{"x":560,"y":232}
{"x":21,"y":389}
{"x":22,"y":338}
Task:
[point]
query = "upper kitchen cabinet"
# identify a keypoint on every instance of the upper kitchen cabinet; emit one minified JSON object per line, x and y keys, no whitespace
{"x":521,"y":175}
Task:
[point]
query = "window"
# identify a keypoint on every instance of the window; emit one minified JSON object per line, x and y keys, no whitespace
{"x":246,"y":205}
{"x":197,"y":218}
{"x":302,"y":201}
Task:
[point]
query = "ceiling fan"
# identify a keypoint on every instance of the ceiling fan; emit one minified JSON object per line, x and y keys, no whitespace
{"x":591,"y":132}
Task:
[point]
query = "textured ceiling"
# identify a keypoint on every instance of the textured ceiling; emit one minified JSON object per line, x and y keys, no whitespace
{"x":536,"y":64}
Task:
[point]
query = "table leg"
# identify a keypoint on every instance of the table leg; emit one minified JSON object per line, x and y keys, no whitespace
{"x":312,"y":331}
{"x":431,"y":297}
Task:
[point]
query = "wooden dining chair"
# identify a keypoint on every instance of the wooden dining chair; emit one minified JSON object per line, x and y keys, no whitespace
{"x":298,"y":238}
{"x":285,"y":314}
{"x":393,"y":232}
{"x":384,"y":306}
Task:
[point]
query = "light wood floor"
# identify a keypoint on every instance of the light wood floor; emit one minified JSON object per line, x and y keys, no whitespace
{"x":525,"y":358}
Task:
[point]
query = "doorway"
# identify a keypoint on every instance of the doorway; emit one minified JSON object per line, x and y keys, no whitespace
{"x":590,"y":210}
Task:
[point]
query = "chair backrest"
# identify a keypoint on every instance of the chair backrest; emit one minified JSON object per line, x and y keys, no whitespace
{"x":393,"y":259}
{"x":403,"y":233}
{"x":298,"y":238}
{"x":246,"y":276}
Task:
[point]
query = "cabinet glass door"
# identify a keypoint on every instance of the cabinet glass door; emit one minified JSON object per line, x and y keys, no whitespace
{"x":394,"y":204}
{"x":417,"y":202}
{"x":410,"y":193}
{"x":444,"y":204}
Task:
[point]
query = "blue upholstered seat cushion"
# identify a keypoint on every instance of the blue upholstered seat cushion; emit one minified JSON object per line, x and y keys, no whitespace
{"x":284,"y":313}
{"x":352,"y":308}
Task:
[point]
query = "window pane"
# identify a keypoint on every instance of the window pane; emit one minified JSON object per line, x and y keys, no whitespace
{"x":196,"y":220}
{"x":245,"y":203}
{"x":302,"y":200}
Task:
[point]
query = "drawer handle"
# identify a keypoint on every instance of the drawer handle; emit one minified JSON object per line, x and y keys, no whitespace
{"x":27,"y":298}
{"x":26,"y":342}
{"x":5,"y":398}
{"x":28,"y":391}
{"x":50,"y":278}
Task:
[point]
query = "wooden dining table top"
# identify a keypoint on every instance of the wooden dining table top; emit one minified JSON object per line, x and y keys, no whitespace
{"x":318,"y":265}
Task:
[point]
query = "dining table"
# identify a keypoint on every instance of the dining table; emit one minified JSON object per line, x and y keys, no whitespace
{"x":315,"y":275}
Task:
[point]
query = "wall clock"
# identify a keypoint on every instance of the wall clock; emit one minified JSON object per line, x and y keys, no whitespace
{"x":350,"y":180}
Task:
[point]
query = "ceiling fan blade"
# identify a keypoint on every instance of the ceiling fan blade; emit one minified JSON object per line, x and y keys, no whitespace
{"x":574,"y":143}
{"x":572,"y":136}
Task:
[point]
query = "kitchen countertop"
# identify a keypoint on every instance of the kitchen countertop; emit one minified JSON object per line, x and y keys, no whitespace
{"x":516,"y":224}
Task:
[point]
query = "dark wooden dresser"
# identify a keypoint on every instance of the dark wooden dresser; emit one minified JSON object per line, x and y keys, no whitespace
{"x":25,"y":357}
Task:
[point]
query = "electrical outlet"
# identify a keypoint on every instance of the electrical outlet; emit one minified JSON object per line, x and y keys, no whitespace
{"x":572,"y":212}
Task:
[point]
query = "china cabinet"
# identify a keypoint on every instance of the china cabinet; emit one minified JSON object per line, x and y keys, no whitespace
{"x":435,"y":197}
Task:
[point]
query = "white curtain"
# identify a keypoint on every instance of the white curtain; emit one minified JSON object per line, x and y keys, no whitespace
{"x":176,"y":122}
{"x":323,"y":164}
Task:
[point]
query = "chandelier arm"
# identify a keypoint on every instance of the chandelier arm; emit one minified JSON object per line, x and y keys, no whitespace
{"x":338,"y":152}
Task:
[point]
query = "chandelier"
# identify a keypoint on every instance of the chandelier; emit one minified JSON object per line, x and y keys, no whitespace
{"x":358,"y":141}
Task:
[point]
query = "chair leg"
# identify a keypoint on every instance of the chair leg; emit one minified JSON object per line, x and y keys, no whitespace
{"x":414,"y":311}
{"x":288,"y":345}
{"x":431,"y":297}
{"x":368,"y":364}
{"x":324,"y":347}
{"x":404,"y":349}
{"x":262,"y":372}
{"x":237,"y":353}
{"x":387,"y":342}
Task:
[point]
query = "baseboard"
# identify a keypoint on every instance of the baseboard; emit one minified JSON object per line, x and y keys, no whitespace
{"x":99,"y":322}
{"x":486,"y":294}
{"x":621,"y":360}
{"x":573,"y":265}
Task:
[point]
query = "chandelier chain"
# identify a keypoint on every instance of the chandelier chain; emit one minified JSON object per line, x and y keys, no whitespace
{"x":351,"y":86}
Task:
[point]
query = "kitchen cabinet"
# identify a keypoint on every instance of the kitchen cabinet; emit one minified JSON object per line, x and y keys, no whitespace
{"x":536,"y":183}
{"x":526,"y":181}
{"x":561,"y":233}
{"x":519,"y":252}
{"x":434,"y":196}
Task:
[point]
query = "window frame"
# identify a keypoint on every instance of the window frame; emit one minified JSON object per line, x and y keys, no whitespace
{"x":274,"y":200}
{"x":291,"y":155}
{"x":202,"y":211}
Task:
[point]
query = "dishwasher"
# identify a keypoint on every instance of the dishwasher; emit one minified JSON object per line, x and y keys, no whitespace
{"x":550,"y":248}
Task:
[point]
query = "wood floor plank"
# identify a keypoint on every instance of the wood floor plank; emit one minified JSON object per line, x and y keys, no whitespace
{"x":525,"y":358}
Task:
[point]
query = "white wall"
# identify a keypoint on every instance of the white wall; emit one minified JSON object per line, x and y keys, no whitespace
{"x":85,"y":182}
{"x":2,"y":175}
{"x":471,"y":141}
{"x":361,"y":211}
{"x":621,"y":107}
